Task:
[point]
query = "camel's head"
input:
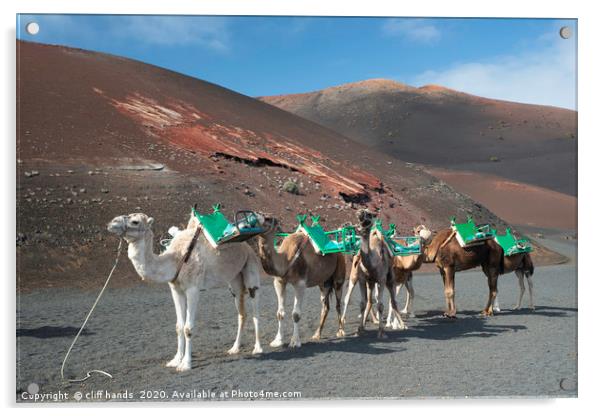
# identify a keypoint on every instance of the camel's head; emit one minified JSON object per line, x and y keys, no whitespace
{"x":131,"y":227}
{"x":269,"y":222}
{"x":424,"y":233}
{"x":366,"y":218}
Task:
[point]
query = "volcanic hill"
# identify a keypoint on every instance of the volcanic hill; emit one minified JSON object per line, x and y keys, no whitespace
{"x":438,"y":126}
{"x":100,"y":136}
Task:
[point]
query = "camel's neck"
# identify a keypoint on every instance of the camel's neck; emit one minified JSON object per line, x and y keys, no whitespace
{"x":150,"y":266}
{"x":364,"y":243}
{"x":273,"y":262}
{"x":367,"y":251}
{"x":430,"y":250}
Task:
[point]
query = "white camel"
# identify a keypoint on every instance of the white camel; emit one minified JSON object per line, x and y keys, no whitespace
{"x":233,"y":263}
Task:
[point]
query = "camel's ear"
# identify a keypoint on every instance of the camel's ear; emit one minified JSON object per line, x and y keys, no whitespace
{"x":150,"y":221}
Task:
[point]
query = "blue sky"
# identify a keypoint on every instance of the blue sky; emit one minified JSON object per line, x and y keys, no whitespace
{"x":521,"y":60}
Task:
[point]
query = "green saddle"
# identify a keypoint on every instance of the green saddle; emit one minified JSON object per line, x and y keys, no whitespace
{"x":469,"y":234}
{"x":342,"y":240}
{"x":512,"y":245}
{"x":399,"y":246}
{"x":218,"y":230}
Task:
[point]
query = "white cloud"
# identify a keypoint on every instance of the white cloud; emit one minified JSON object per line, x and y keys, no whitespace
{"x":211,"y":32}
{"x":545,"y":75}
{"x":418,"y":30}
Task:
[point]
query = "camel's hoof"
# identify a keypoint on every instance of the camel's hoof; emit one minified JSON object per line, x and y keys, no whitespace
{"x":449,"y":316}
{"x":174,"y":362}
{"x":294,"y":344}
{"x":497,"y":309}
{"x":316,"y":337}
{"x":276,"y":343}
{"x":487,"y":312}
{"x":183,"y":366}
{"x":257,"y":350}
{"x":515,"y":307}
{"x":532,"y":308}
{"x":234,"y":350}
{"x":400,"y":327}
{"x":340,"y":333}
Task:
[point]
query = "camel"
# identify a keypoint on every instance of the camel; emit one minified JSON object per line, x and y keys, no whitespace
{"x":296,"y":262}
{"x":403,"y":266}
{"x":445,"y":251}
{"x":372,"y":268}
{"x":522,"y":265}
{"x":233,"y":263}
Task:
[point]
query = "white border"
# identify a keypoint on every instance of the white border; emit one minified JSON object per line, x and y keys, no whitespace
{"x":589,"y":174}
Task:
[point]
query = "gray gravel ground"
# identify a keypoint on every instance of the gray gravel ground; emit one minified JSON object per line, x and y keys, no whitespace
{"x":132,"y":335}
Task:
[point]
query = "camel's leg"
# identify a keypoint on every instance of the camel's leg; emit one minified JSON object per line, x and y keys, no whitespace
{"x":492,"y":276}
{"x":350,"y":287}
{"x":253,"y":294}
{"x":407,"y":310}
{"x":238,"y":290}
{"x":325,"y":299}
{"x":192,"y":300}
{"x":363,"y":304}
{"x":280,"y":288}
{"x":299,"y":292}
{"x":375,"y":316}
{"x":448,"y":274}
{"x":390,"y":319}
{"x":251,"y":276}
{"x":338,"y":293}
{"x":179,"y":300}
{"x":530,"y":283}
{"x":380,"y":307}
{"x":368,"y":305}
{"x":496,"y":303}
{"x":393,"y":303}
{"x":521,"y":285}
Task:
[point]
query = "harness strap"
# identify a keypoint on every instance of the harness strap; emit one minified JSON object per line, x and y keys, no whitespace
{"x":188,"y":252}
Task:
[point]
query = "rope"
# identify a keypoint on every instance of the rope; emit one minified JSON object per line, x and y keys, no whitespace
{"x":89,"y":373}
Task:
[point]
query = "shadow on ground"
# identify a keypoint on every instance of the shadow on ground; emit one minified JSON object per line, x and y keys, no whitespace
{"x":51,"y":332}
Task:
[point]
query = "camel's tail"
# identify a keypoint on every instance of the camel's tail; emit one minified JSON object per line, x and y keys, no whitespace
{"x":528,"y":267}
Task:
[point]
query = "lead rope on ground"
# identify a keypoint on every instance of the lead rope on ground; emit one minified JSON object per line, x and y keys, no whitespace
{"x":89,"y":373}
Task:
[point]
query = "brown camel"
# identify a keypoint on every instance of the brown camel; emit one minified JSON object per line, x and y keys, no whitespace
{"x":403,"y":266}
{"x":445,"y":251}
{"x":522,"y":265}
{"x":372,"y":269}
{"x":296,"y":262}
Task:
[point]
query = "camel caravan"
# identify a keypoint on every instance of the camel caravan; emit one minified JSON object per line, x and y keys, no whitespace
{"x":212,"y":250}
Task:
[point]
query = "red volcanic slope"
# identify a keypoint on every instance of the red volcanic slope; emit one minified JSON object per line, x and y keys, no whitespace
{"x":437,"y":126}
{"x":229,"y":124}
